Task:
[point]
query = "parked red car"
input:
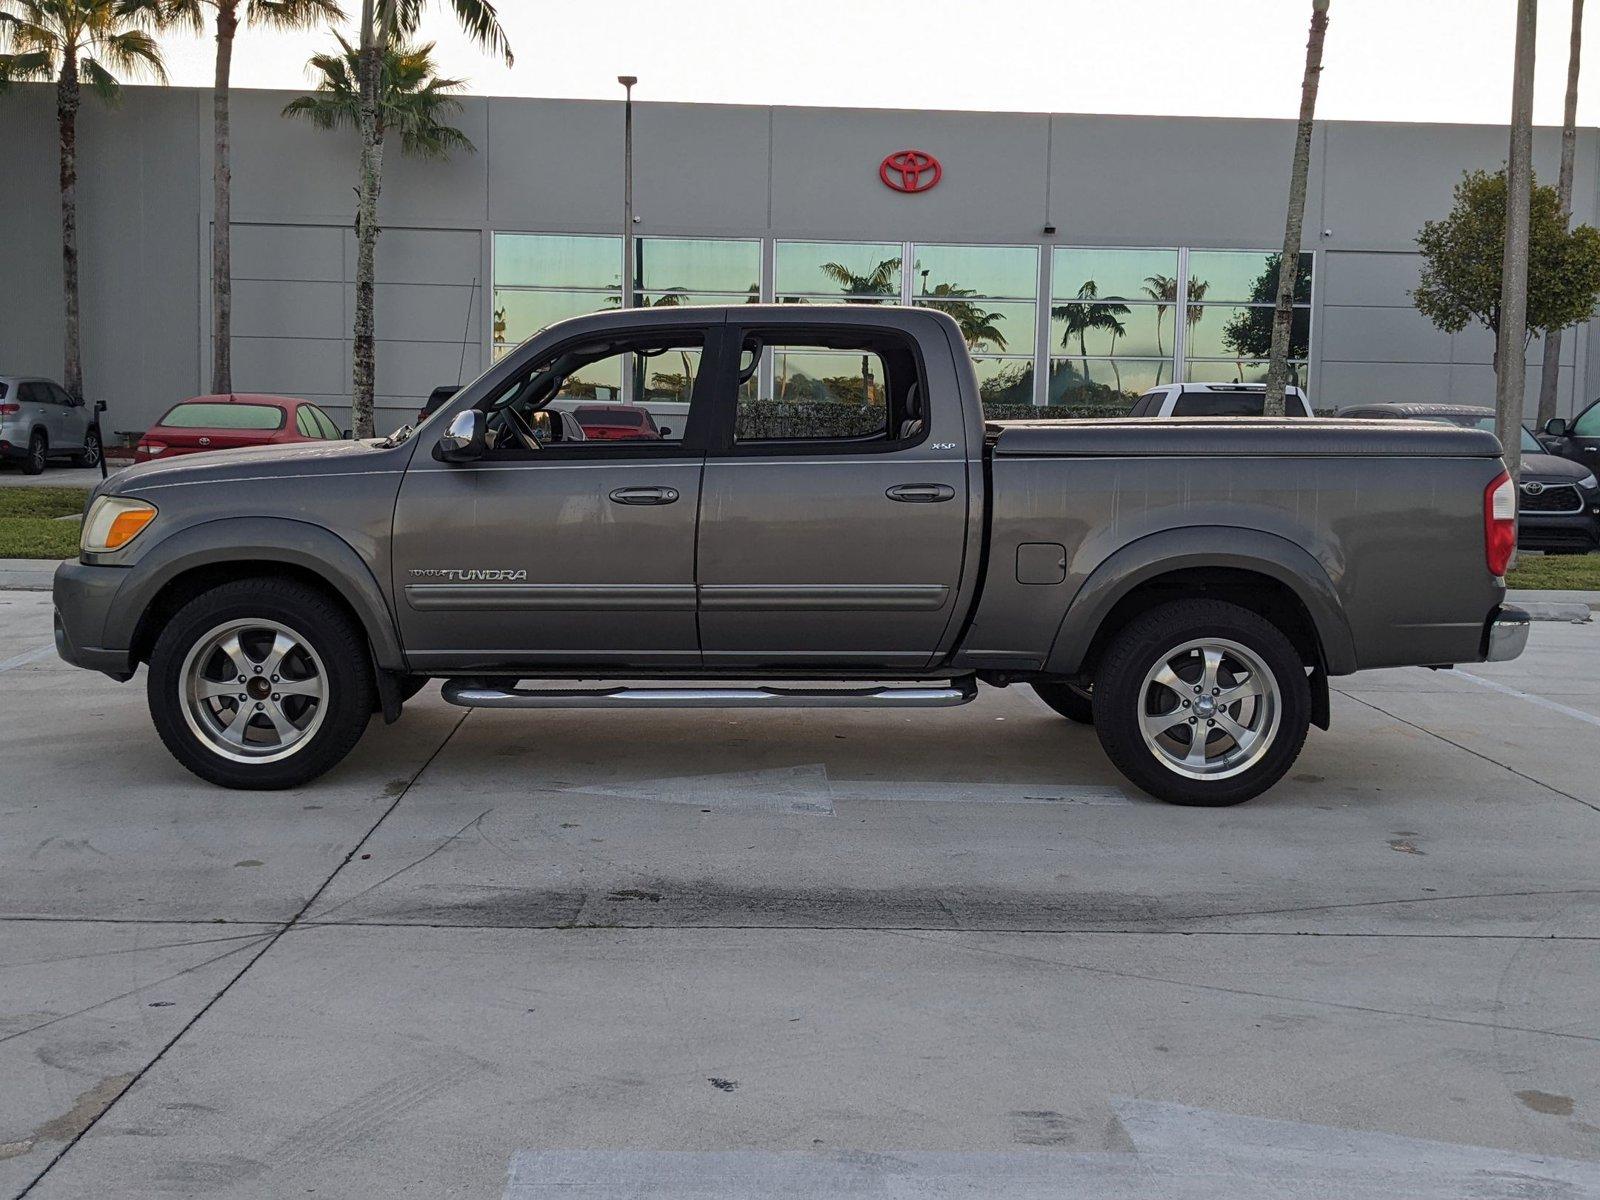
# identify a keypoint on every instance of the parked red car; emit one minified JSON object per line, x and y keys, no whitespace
{"x":616,"y":422}
{"x":228,"y":422}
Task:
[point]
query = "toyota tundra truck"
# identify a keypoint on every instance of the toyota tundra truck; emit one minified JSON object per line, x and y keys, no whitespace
{"x":825,"y":520}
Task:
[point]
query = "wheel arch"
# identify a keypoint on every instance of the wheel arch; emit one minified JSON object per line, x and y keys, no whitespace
{"x":1263,"y":572}
{"x":192,"y":560}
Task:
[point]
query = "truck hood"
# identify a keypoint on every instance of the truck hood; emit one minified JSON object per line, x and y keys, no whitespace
{"x":259,"y":462}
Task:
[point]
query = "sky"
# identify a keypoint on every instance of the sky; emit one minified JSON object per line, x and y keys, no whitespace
{"x":1401,"y":60}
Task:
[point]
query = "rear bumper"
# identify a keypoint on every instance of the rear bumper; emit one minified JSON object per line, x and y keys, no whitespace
{"x":1506,"y":634}
{"x":1558,"y":531}
{"x":84,"y":597}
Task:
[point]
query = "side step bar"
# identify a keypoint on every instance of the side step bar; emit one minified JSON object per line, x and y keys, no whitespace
{"x":473,"y":693}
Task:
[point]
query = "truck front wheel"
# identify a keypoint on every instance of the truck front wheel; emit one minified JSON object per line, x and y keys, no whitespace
{"x":260,"y":683}
{"x":1202,"y":702}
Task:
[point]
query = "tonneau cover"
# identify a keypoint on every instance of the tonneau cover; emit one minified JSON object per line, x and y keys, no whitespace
{"x":1316,"y":437}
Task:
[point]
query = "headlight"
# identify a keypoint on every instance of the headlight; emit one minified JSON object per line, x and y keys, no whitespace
{"x":113,"y":522}
{"x":1589,"y":482}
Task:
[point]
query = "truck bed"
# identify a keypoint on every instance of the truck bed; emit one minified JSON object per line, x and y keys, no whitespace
{"x":1224,"y":436}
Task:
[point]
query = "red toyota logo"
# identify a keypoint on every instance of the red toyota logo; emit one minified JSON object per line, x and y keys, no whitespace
{"x":910,"y":171}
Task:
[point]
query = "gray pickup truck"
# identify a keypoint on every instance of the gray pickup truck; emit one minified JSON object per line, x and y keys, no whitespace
{"x":829,"y":522}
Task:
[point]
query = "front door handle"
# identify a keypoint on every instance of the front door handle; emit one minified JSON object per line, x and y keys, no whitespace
{"x":921,"y":493}
{"x":644,"y":495}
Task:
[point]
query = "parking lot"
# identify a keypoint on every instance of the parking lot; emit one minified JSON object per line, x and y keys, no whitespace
{"x":732,"y":954}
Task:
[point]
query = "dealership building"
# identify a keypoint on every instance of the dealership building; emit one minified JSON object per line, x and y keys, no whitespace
{"x":1086,"y":256}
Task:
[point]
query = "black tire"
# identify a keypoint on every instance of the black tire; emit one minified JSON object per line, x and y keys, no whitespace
{"x":315,"y":619}
{"x":38,"y":454}
{"x":1121,"y":697}
{"x":1071,"y":702}
{"x":89,"y":456}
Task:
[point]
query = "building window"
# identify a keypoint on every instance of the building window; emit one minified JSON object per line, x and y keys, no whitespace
{"x":1230,"y":297}
{"x":1113,"y":314}
{"x":676,"y":271}
{"x":541,"y":278}
{"x":992,"y":294}
{"x":830,"y":272}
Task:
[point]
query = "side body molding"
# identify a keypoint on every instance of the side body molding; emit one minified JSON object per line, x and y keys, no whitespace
{"x":259,"y":542}
{"x":1204,"y":546}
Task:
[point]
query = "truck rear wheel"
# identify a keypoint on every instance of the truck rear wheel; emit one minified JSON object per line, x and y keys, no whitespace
{"x":261,"y":683}
{"x":1202,"y":702}
{"x":1073,"y":703}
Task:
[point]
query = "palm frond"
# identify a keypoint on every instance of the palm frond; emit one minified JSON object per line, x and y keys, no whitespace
{"x":132,"y":52}
{"x":293,"y":14}
{"x":99,"y":80}
{"x":184,"y":14}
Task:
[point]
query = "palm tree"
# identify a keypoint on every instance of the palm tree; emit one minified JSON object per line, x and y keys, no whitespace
{"x":276,"y":14}
{"x":977,"y":326}
{"x":385,"y":24}
{"x":1511,"y":350}
{"x":1086,"y":313}
{"x":412,"y":102}
{"x":1163,"y":289}
{"x":1550,"y":372}
{"x":880,"y":281}
{"x":1193,"y":311}
{"x":1288,"y":264}
{"x":77,"y":43}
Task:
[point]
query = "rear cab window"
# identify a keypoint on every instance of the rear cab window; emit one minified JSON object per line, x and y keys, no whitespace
{"x":208,"y":415}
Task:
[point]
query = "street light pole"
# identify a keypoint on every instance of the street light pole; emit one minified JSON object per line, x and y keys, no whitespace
{"x":627,"y":82}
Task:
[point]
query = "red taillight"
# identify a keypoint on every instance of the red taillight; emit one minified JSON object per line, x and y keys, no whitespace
{"x":150,"y":448}
{"x":1499,"y":523}
{"x":10,"y":410}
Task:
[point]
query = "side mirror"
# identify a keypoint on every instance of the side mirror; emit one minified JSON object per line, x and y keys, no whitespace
{"x":1556,"y":427}
{"x":666,"y":431}
{"x":347,"y":434}
{"x":464,"y":439}
{"x":99,"y":406}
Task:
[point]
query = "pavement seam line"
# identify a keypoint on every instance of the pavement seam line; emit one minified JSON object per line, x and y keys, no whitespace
{"x":271,"y":941}
{"x":28,"y":656}
{"x":1475,"y":753}
{"x":1565,"y":710}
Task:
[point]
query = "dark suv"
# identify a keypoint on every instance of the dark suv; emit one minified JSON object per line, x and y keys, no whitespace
{"x":1558,"y":506}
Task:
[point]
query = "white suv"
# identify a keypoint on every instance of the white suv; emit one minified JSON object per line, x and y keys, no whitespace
{"x":1215,"y":400}
{"x":39,"y":421}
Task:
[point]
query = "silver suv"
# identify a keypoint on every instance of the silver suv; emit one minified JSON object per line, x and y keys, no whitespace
{"x":41,"y":420}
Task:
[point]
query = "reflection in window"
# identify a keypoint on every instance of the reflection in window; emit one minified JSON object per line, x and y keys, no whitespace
{"x":1113,"y":312}
{"x":1231,"y":302}
{"x":990,"y":292}
{"x":698,"y":270}
{"x":849,"y":271}
{"x":541,"y":278}
{"x":1105,"y":386}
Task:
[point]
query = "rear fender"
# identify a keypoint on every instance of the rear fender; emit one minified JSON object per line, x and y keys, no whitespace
{"x":1203,"y":546}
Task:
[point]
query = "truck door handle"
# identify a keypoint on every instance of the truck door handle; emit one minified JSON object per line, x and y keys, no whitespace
{"x":921,"y":493}
{"x":644,"y":495}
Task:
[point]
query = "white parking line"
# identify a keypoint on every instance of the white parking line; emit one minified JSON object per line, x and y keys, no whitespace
{"x":1564,"y":710}
{"x":22,"y":660}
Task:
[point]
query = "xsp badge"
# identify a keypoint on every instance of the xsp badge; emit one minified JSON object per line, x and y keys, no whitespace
{"x":474,"y":575}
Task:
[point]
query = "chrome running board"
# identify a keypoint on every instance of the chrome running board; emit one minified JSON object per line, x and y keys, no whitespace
{"x":473,"y":693}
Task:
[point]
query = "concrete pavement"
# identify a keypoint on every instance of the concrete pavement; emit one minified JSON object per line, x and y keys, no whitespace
{"x":804,"y":953}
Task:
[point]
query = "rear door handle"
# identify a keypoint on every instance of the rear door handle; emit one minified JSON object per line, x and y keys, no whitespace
{"x":644,"y":495}
{"x":921,"y":493}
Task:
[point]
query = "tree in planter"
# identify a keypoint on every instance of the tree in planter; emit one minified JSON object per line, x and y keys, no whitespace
{"x":1288,"y":260}
{"x":1463,"y":256}
{"x":383,"y":26}
{"x":275,"y":14}
{"x":78,"y":44}
{"x":411,"y":101}
{"x":1551,"y":371}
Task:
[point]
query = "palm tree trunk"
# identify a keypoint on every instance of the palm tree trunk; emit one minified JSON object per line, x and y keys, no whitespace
{"x":374,"y":34}
{"x":67,"y":98}
{"x":222,"y":206}
{"x":1161,"y":315}
{"x":1512,"y":345}
{"x":1294,"y":223}
{"x":1550,"y":372}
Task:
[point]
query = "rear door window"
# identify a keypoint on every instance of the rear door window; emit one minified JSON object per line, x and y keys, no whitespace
{"x":205,"y":415}
{"x":324,"y":423}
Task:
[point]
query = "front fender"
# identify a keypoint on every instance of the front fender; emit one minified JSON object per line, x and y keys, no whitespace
{"x":254,"y":543}
{"x":1199,"y":546}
